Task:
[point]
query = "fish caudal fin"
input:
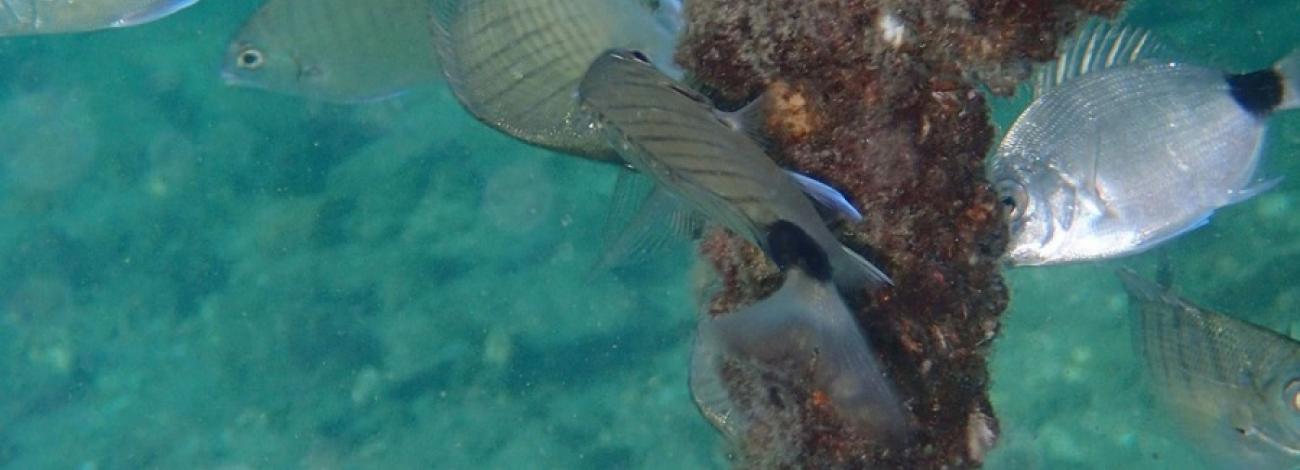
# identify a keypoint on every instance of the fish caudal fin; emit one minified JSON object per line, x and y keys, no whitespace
{"x":1289,"y":69}
{"x":798,"y":344}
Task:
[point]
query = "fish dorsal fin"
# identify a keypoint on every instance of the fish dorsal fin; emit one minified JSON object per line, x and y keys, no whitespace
{"x":750,"y":120}
{"x":1098,"y":45}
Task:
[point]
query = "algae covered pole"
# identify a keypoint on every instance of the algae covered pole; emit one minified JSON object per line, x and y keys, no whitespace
{"x":878,"y":98}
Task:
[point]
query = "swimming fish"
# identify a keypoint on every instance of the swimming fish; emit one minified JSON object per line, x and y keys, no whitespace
{"x":25,"y":17}
{"x":769,"y":365}
{"x":342,"y":51}
{"x":675,"y":136}
{"x":1234,"y":387}
{"x":1122,"y":150}
{"x":515,"y":64}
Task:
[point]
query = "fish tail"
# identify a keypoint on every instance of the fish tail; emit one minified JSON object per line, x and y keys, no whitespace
{"x":1289,"y":69}
{"x":806,"y":328}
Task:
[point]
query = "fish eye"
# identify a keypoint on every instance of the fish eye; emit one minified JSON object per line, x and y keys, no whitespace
{"x":250,"y":59}
{"x":1291,"y":393}
{"x":640,"y":57}
{"x":1014,"y":197}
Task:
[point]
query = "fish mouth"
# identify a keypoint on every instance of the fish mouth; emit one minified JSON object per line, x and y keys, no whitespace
{"x":232,"y":79}
{"x":1270,"y":441}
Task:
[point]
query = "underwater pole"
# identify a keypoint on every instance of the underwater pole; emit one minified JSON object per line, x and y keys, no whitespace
{"x":880,"y":100}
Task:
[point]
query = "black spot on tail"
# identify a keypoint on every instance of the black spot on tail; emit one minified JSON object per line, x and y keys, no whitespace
{"x":788,"y":245}
{"x":1257,"y":92}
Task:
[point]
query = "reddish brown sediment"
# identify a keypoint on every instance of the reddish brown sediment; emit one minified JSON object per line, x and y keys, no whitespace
{"x":895,"y":121}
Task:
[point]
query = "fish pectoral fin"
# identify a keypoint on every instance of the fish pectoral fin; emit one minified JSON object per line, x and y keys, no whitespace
{"x":825,"y":196}
{"x":634,"y":229}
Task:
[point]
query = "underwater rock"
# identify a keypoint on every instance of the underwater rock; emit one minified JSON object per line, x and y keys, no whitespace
{"x":879,"y":99}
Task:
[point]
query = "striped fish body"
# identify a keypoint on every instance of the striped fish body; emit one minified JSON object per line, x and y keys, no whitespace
{"x":1233,"y":387}
{"x":515,"y":64}
{"x":672,"y":134}
{"x":25,"y":17}
{"x":342,"y":51}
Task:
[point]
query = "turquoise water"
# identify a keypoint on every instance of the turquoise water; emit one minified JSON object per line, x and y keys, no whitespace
{"x":196,"y":276}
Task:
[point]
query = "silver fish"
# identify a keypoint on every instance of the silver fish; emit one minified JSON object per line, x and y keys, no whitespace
{"x":515,"y":64}
{"x":1122,"y":151}
{"x":761,"y":369}
{"x":675,"y":136}
{"x":343,"y":51}
{"x":1234,"y":387}
{"x":25,"y":17}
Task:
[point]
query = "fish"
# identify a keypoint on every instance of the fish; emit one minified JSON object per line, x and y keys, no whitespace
{"x":32,"y":17}
{"x":1124,"y":148}
{"x":1234,"y":387}
{"x":677,"y":137}
{"x":766,"y":367}
{"x":515,"y":64}
{"x":336,"y":51}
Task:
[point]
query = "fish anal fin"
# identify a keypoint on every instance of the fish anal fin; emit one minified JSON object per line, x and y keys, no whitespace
{"x":1238,"y":195}
{"x":151,"y":12}
{"x":1153,"y":240}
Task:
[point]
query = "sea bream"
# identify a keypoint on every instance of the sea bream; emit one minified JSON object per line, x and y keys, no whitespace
{"x":24,"y":17}
{"x":1232,"y":387}
{"x":341,"y":51}
{"x":675,"y":136}
{"x":1123,"y":149}
{"x":515,"y":64}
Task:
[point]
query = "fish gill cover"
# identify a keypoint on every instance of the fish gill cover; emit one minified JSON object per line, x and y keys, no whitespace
{"x":880,"y":100}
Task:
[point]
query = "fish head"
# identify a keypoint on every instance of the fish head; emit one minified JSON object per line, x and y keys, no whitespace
{"x":254,"y":61}
{"x":1032,"y":220}
{"x":1276,"y":426}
